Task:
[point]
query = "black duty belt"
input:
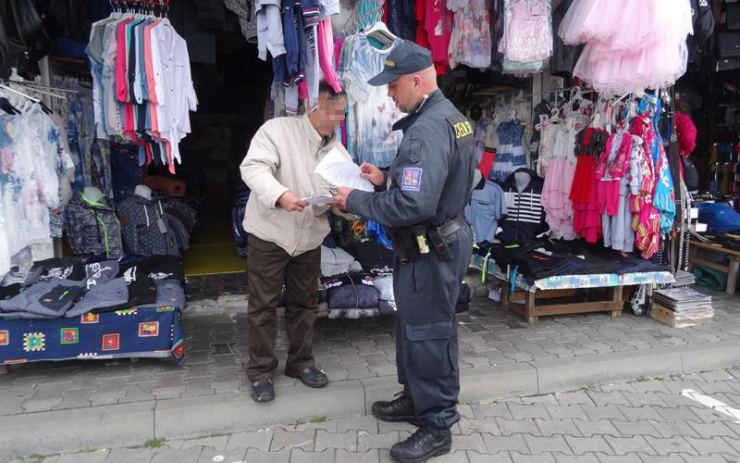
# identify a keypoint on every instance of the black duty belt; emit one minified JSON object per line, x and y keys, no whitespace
{"x":452,"y":225}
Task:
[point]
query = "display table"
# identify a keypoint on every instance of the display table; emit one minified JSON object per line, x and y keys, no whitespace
{"x":530,"y":300}
{"x":145,"y":331}
{"x":731,"y":268}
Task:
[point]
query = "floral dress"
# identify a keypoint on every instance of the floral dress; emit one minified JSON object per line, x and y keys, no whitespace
{"x":470,"y":43}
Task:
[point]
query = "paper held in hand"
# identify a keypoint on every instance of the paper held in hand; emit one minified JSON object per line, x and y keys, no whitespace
{"x":339,"y":171}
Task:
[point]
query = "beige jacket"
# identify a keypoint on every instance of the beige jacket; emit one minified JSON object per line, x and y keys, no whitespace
{"x":283,"y":156}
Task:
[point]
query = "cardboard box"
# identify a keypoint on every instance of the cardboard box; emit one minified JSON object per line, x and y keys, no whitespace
{"x":679,"y":320}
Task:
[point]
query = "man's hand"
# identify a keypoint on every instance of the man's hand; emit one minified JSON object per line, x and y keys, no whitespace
{"x":340,"y":199}
{"x":291,"y":202}
{"x":371,"y":173}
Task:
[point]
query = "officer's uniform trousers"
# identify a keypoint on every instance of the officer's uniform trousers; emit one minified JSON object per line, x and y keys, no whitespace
{"x":426,"y":292}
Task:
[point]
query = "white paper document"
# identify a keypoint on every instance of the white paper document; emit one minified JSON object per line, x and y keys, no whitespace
{"x":339,"y":171}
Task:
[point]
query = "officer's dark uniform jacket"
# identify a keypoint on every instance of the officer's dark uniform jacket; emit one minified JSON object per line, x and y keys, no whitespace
{"x":431,"y":182}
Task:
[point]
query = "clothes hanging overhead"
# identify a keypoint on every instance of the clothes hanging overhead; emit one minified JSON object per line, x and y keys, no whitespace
{"x":644,"y":48}
{"x":142,"y":85}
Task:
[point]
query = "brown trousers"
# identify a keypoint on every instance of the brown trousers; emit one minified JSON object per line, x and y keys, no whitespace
{"x":268,"y":267}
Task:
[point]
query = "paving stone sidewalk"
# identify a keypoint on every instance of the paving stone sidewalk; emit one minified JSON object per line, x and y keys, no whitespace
{"x":500,"y":356}
{"x":346,"y":349}
{"x":647,"y":421}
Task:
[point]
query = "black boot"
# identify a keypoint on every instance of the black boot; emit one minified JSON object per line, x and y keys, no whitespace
{"x":425,"y":443}
{"x":399,"y":409}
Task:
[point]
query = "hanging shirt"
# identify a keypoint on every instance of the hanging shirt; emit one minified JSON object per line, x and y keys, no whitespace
{"x":121,"y":58}
{"x":434,"y":31}
{"x":269,"y":29}
{"x":110,"y":103}
{"x":178,"y":94}
{"x":401,"y":19}
{"x":374,"y":111}
{"x":486,"y":207}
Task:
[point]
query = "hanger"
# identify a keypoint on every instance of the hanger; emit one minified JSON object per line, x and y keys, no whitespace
{"x":379,"y":31}
{"x":8,"y":107}
{"x":596,"y":120}
{"x":554,"y":116}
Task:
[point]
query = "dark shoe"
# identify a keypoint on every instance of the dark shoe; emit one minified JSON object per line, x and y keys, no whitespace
{"x":423,"y":444}
{"x":399,"y":409}
{"x":311,"y":377}
{"x":262,"y":390}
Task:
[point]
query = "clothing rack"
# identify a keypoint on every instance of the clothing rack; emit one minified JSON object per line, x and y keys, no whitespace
{"x":561,"y":90}
{"x":41,"y":91}
{"x":34,"y":85}
{"x":152,"y":7}
{"x":5,"y":87}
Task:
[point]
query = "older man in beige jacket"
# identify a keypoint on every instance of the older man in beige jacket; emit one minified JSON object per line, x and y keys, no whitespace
{"x":285,"y":236}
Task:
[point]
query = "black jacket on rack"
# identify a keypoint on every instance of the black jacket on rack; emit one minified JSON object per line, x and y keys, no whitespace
{"x":702,"y":19}
{"x":525,"y":216}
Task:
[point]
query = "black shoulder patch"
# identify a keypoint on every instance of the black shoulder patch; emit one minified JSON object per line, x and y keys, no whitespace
{"x":460,"y":125}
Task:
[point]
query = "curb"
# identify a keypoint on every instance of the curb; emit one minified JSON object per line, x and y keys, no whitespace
{"x":127,"y":425}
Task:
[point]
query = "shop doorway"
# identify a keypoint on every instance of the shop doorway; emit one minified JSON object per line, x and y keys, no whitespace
{"x":232,"y":94}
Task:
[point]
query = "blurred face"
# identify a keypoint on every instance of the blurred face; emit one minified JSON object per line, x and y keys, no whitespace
{"x":406,"y":92}
{"x":329,"y":113}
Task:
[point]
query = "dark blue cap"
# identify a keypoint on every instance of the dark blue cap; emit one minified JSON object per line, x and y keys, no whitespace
{"x":406,"y":58}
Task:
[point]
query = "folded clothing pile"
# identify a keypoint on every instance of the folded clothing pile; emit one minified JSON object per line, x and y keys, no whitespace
{"x":352,"y":290}
{"x":348,"y":291}
{"x":73,"y":286}
{"x":537,"y":261}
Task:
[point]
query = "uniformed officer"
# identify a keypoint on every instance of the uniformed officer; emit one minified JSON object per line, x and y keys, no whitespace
{"x":430,"y":184}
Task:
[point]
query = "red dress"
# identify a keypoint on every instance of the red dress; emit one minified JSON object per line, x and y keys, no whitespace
{"x":586,"y":215}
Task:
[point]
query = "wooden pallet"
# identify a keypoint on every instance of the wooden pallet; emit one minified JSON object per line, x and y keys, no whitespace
{"x":529,"y":308}
{"x":730,"y":268}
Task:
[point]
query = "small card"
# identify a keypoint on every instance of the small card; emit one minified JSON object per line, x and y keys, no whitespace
{"x":319,"y":200}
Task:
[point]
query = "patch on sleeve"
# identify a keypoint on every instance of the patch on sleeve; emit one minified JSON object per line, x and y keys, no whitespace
{"x":411,"y":180}
{"x":460,"y":125}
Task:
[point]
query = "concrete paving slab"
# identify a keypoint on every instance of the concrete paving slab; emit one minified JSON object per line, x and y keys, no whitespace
{"x":192,"y":417}
{"x":710,"y":356}
{"x":486,"y":383}
{"x":564,"y":374}
{"x":618,"y":435}
{"x":52,"y":432}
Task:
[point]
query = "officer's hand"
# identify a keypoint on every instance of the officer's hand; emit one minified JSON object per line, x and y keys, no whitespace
{"x":340,"y":199}
{"x":291,"y":202}
{"x":371,"y":173}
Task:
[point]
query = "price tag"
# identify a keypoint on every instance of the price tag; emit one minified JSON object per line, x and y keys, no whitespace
{"x":162,"y":226}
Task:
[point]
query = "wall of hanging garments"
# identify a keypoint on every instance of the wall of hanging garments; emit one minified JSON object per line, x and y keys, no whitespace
{"x":36,"y":173}
{"x":91,"y":154}
{"x":142,"y":86}
{"x":512,"y":36}
{"x":600,"y":174}
{"x":647,"y":45}
{"x":57,"y":180}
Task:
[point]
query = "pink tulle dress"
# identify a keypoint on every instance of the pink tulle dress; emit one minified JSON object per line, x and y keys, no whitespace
{"x":631,"y":45}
